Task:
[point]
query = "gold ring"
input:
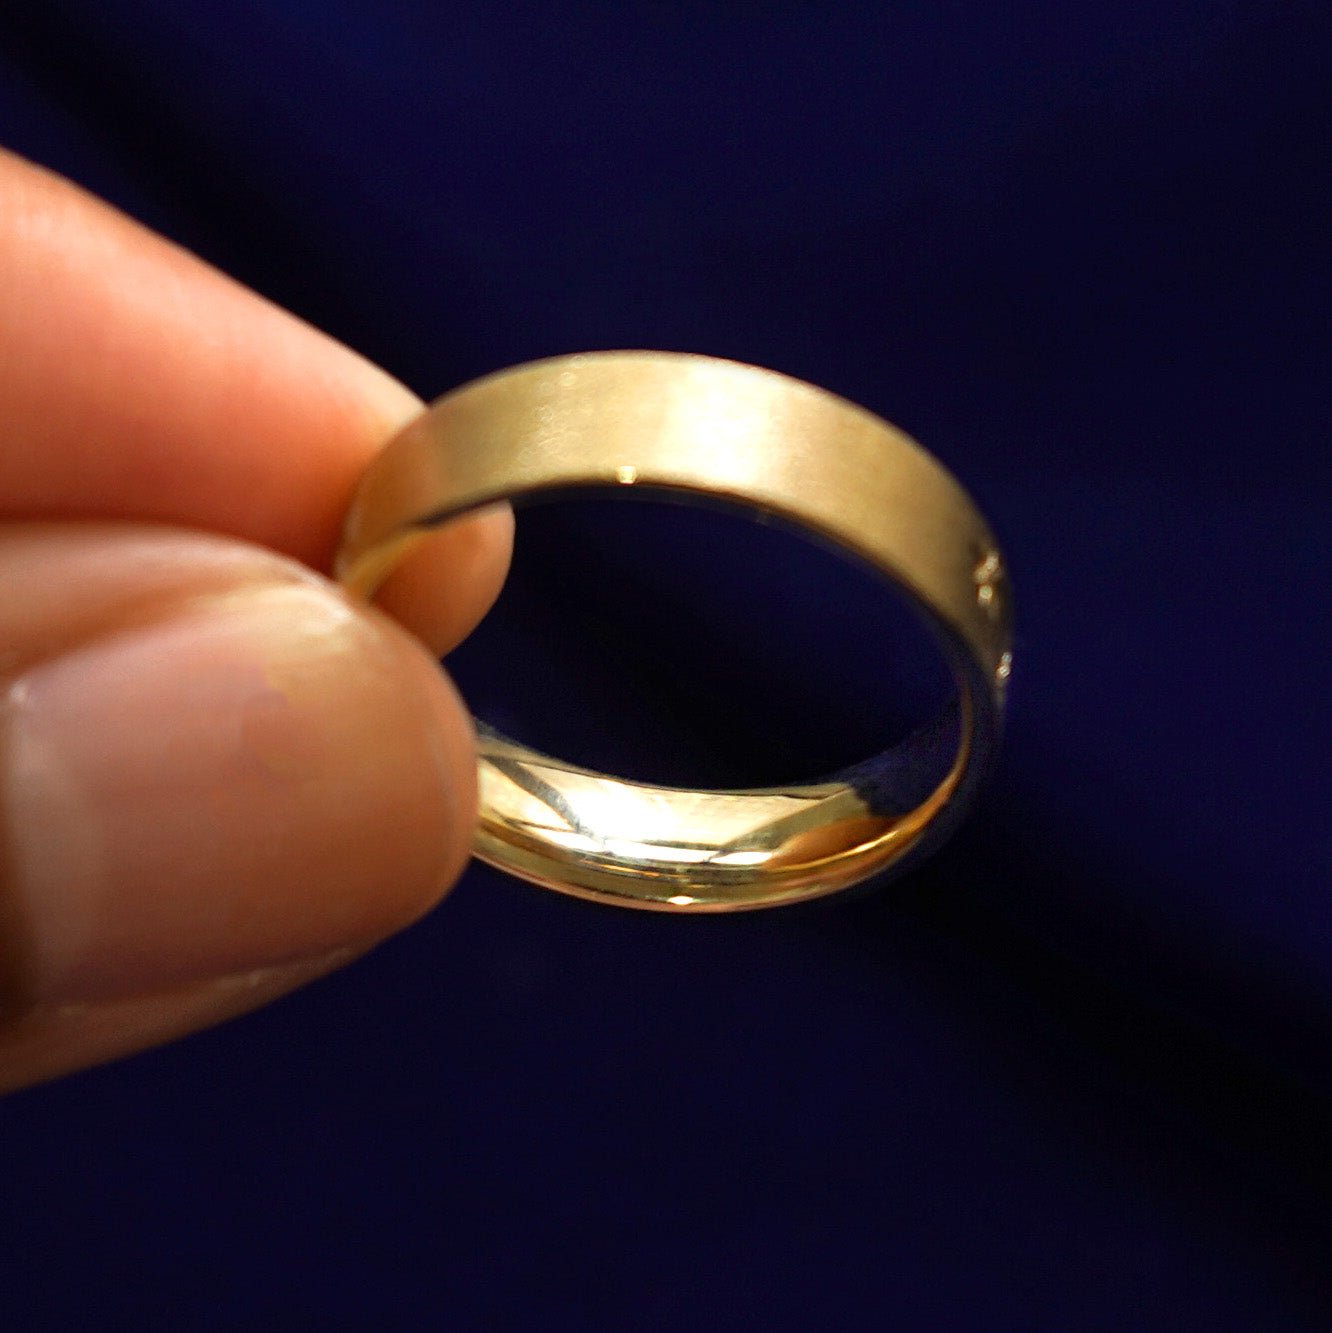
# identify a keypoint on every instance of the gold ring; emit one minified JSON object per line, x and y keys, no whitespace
{"x":739,"y":434}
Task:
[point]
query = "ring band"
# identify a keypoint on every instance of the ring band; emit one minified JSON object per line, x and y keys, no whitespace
{"x":734,"y":433}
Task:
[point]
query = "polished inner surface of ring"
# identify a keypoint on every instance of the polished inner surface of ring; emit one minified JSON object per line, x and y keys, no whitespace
{"x":714,"y":429}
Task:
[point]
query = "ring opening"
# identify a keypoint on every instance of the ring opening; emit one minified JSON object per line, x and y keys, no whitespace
{"x":689,"y":644}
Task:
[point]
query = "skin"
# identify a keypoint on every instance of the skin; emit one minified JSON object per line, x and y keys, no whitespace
{"x":219,"y":778}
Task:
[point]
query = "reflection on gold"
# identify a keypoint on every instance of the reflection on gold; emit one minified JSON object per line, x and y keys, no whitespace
{"x":643,"y":844}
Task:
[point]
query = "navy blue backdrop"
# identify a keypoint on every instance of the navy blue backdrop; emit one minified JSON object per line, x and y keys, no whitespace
{"x":1074,"y":1074}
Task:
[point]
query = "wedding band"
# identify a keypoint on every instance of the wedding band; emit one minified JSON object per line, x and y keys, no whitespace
{"x":742,"y":435}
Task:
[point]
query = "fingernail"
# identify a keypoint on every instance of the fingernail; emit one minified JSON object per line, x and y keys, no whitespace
{"x":264,"y":777}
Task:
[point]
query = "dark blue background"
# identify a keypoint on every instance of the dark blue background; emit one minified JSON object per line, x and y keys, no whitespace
{"x":1074,"y":1074}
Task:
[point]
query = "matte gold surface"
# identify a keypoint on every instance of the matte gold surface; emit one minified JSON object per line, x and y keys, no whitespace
{"x":741,"y":434}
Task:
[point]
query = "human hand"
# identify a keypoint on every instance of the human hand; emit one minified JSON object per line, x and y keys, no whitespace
{"x":219,"y":779}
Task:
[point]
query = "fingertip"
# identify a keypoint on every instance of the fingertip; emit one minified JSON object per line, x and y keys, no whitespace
{"x":450,"y":734}
{"x":451,"y":578}
{"x":257,"y":780}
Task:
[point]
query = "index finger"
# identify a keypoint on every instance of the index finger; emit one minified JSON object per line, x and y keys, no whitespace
{"x":138,"y":382}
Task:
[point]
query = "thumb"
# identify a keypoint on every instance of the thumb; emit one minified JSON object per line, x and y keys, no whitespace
{"x":218,"y":779}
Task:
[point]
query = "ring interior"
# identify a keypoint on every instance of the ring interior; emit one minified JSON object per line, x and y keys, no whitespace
{"x":639,"y":845}
{"x":636,"y":844}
